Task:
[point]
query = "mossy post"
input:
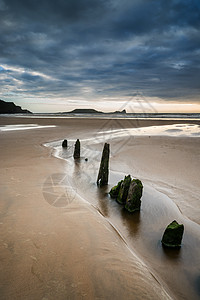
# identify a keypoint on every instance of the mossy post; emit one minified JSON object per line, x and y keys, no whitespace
{"x":123,"y":190}
{"x":102,"y":178}
{"x":128,"y":192}
{"x":133,"y":201}
{"x":77,"y":149}
{"x":64,"y":144}
{"x":173,"y":234}
{"x":115,"y":190}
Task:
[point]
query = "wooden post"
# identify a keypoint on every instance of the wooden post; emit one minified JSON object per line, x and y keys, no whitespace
{"x":77,"y":149}
{"x":103,"y":170}
{"x":64,"y":144}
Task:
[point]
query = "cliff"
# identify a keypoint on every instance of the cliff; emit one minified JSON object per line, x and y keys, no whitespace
{"x":11,"y":108}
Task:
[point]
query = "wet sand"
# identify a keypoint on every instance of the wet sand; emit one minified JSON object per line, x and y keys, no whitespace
{"x":62,"y":238}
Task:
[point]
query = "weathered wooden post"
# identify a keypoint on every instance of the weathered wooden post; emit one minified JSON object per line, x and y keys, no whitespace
{"x":103,"y":170}
{"x":64,"y":144}
{"x":128,"y":192}
{"x":133,"y":201}
{"x":77,"y":149}
{"x":173,"y":234}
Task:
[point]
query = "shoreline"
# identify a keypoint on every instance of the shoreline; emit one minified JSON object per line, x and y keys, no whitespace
{"x":14,"y":166}
{"x":140,"y":122}
{"x":128,"y":116}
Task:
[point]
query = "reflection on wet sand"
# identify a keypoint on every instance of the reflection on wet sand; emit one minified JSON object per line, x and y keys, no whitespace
{"x":172,"y":254}
{"x":103,"y":201}
{"x":131,"y":223}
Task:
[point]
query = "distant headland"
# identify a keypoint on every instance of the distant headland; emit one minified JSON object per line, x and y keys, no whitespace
{"x":11,"y":108}
{"x":91,"y":111}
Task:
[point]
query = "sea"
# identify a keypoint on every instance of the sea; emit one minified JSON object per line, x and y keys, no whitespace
{"x":155,"y":116}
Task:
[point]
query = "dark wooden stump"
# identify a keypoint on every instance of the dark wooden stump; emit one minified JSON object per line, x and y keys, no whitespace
{"x":103,"y":170}
{"x":77,"y":149}
{"x":64,"y":144}
{"x":173,"y":234}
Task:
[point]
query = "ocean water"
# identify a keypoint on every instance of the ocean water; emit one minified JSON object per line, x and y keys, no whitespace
{"x":155,"y":116}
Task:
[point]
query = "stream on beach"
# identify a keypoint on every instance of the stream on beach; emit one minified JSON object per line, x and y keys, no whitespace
{"x":142,"y":231}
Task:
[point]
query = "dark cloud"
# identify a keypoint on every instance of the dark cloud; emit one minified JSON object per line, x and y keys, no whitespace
{"x":100,"y":48}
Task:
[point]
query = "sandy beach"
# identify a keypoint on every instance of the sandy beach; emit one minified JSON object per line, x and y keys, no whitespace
{"x":63,"y":238}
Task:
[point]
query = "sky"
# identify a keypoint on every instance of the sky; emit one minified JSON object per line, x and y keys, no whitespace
{"x":138,"y":55}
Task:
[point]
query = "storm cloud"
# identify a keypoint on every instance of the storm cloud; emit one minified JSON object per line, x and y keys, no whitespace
{"x":96,"y":49}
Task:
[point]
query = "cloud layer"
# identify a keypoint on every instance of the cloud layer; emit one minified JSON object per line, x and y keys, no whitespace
{"x":100,"y":49}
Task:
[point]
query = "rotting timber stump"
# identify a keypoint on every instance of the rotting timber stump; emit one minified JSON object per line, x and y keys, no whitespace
{"x":115,"y":190}
{"x":173,"y":234}
{"x":128,"y":192}
{"x":102,"y":178}
{"x":64,"y":144}
{"x":133,"y":201}
{"x":123,"y":191}
{"x":77,"y":149}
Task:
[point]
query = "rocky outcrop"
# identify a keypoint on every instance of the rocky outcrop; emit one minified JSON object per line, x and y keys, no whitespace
{"x":128,"y":192}
{"x":173,"y":234}
{"x":102,"y":178}
{"x":11,"y":108}
{"x":64,"y":144}
{"x":77,"y":149}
